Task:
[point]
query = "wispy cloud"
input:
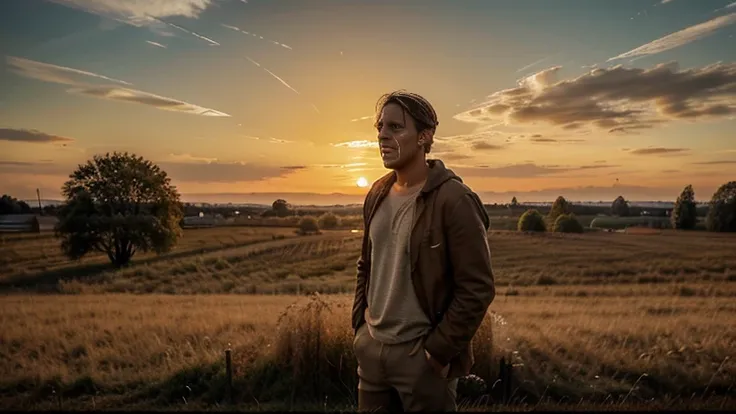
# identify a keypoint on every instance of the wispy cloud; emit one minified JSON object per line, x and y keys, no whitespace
{"x":140,"y":13}
{"x":616,"y":99}
{"x":357,"y":144}
{"x":57,"y":74}
{"x":658,"y":151}
{"x":52,"y":73}
{"x":679,"y":38}
{"x":30,"y":135}
{"x":719,"y":162}
{"x":665,"y":1}
{"x":145,"y":98}
{"x":223,"y":172}
{"x":237,"y":29}
{"x":525,"y":170}
{"x":137,"y":11}
{"x":155,"y":44}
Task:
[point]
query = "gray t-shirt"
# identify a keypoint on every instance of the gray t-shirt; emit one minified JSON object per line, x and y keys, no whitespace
{"x":393,"y":314}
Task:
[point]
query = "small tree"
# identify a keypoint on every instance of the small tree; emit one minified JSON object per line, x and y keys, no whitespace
{"x":532,"y":220}
{"x":281,"y":208}
{"x":118,"y":204}
{"x":684,"y":215}
{"x":567,"y":223}
{"x":620,"y":207}
{"x":11,"y":205}
{"x":722,"y":210}
{"x":308,"y":225}
{"x":559,"y":207}
{"x":514,"y":202}
{"x":328,"y":221}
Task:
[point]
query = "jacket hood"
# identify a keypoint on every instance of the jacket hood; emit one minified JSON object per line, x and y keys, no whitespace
{"x":439,"y":174}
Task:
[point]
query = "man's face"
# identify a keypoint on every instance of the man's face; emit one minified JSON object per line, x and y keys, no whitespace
{"x":397,"y":137}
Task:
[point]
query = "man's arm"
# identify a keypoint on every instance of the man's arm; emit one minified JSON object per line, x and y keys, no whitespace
{"x":363,"y":267}
{"x":473,"y":279}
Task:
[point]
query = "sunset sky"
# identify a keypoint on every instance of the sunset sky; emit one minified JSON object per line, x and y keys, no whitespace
{"x":581,"y":98}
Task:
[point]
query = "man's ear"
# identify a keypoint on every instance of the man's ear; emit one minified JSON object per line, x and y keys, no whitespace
{"x":423,"y":137}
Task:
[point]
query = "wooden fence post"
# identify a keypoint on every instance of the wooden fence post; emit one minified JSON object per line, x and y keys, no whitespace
{"x":229,"y":376}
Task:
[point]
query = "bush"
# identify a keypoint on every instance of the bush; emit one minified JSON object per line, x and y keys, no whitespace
{"x":567,"y":223}
{"x":559,"y":207}
{"x":620,"y":223}
{"x":531,"y":220}
{"x":328,"y":221}
{"x":308,"y":225}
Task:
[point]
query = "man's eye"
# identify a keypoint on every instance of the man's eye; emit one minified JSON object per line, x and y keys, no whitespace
{"x":395,"y":126}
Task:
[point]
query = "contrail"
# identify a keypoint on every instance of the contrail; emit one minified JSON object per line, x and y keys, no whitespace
{"x":532,"y":64}
{"x":206,"y":39}
{"x":273,"y":74}
{"x":237,"y":29}
{"x":155,"y":44}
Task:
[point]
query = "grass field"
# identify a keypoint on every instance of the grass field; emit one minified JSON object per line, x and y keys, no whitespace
{"x":605,"y":320}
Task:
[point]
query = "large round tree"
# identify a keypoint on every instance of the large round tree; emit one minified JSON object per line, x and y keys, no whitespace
{"x":722,"y":210}
{"x":118,"y":204}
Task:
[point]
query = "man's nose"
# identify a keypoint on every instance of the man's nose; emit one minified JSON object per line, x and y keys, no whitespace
{"x":384,"y":134}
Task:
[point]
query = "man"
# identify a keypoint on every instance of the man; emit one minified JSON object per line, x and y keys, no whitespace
{"x":424,"y":279}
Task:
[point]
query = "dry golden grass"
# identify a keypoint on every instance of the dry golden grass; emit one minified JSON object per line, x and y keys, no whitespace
{"x":583,"y":318}
{"x":249,"y":260}
{"x":26,"y":254}
{"x":146,"y":350}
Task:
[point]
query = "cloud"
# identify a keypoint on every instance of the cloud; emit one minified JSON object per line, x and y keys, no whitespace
{"x":526,"y":170}
{"x":156,"y":44}
{"x":57,"y":74}
{"x":189,"y":158}
{"x":679,"y":38}
{"x":30,"y":135}
{"x":721,"y":162}
{"x":222,"y":172}
{"x":52,"y":73}
{"x":237,"y":29}
{"x":137,"y":12}
{"x":145,"y":98}
{"x":357,"y":144}
{"x":538,"y":139}
{"x":484,"y":145}
{"x":665,"y":1}
{"x":616,"y":99}
{"x":657,"y":151}
{"x":140,"y":13}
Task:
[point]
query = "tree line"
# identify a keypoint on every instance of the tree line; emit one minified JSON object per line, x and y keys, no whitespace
{"x":121,"y":204}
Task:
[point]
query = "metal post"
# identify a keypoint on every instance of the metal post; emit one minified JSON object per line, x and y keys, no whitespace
{"x":229,"y":376}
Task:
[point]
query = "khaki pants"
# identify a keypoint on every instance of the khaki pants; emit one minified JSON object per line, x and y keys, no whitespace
{"x":399,"y":378}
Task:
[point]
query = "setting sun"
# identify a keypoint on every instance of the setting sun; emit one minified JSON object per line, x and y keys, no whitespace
{"x":362,"y":182}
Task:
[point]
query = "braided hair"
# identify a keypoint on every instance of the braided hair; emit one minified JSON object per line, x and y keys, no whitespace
{"x":418,"y":108}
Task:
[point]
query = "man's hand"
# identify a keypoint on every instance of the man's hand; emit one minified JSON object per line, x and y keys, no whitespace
{"x":438,"y":368}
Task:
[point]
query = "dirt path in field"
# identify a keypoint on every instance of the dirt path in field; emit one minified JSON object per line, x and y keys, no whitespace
{"x":47,"y":281}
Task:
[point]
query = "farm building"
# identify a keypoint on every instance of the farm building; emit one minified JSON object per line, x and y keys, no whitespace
{"x":26,"y":223}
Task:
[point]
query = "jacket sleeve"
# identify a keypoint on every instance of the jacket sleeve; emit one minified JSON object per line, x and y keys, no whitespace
{"x":363,"y":268}
{"x":474,"y":287}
